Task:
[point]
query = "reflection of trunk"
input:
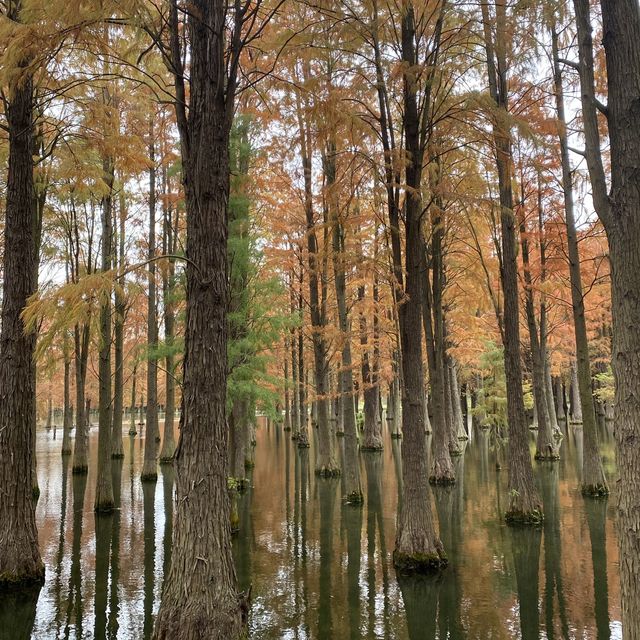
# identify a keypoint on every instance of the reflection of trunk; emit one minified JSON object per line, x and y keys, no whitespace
{"x":103,"y":526}
{"x":149,"y":532}
{"x":524,"y":502}
{"x":19,"y":554}
{"x":326,"y":497}
{"x":352,"y":522}
{"x":597,"y":521}
{"x":525,"y":544}
{"x":152,"y":434}
{"x":420,"y":599}
{"x":75,"y":572}
{"x":168,"y":480}
{"x":114,"y":581}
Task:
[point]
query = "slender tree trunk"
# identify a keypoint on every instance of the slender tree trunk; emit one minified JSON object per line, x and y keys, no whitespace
{"x":20,"y":560}
{"x":456,"y":400}
{"x":152,"y":435}
{"x":67,"y":411}
{"x":168,"y":286}
{"x":132,"y":408}
{"x":524,"y":502}
{"x":104,"y":501}
{"x":117,"y":450}
{"x":81,"y":443}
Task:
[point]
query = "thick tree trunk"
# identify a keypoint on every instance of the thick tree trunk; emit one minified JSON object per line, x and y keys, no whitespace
{"x":104,"y":501}
{"x":199,"y":598}
{"x":152,"y":434}
{"x":418,"y":549}
{"x":20,"y":560}
{"x":621,"y":26}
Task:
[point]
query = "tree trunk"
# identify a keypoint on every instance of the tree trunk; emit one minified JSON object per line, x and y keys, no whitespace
{"x":199,"y":598}
{"x":152,"y":434}
{"x":104,"y":501}
{"x":524,"y":503}
{"x":67,"y":411}
{"x":418,"y":548}
{"x":351,"y":470}
{"x":621,"y":26}
{"x":132,"y":408}
{"x":168,"y":286}
{"x":20,"y":560}
{"x":456,"y":400}
{"x":81,"y":444}
{"x":118,"y":338}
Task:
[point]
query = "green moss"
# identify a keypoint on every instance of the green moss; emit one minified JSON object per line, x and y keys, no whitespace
{"x":372,"y":449}
{"x":595,"y":491}
{"x":455,"y":453}
{"x":286,"y":429}
{"x":303,"y":445}
{"x":340,"y":434}
{"x":249,"y":464}
{"x":396,"y":436}
{"x":117,"y":456}
{"x":242,"y":484}
{"x":80,"y":470}
{"x":133,"y":432}
{"x":464,"y":437}
{"x":149,"y":477}
{"x":354,"y":498}
{"x":35,"y":492}
{"x":166,"y":460}
{"x":328,"y":472}
{"x":533,"y":518}
{"x":547,"y":457}
{"x":418,"y":563}
{"x":235,"y":523}
{"x":441,"y":482}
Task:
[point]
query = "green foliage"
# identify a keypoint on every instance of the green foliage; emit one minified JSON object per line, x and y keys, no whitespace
{"x":606,"y":386}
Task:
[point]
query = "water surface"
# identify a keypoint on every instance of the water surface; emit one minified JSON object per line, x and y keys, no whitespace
{"x":319,"y":569}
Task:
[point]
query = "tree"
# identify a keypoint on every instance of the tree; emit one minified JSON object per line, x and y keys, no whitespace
{"x":20,"y":561}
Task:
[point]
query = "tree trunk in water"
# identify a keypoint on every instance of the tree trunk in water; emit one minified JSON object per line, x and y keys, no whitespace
{"x":559,"y":398}
{"x":81,"y":444}
{"x":20,"y":560}
{"x":351,"y":469}
{"x":132,"y":408}
{"x":67,"y":411}
{"x":456,"y":399}
{"x":104,"y":501}
{"x":118,"y":338}
{"x":287,"y":385}
{"x":168,"y":284}
{"x":621,"y":26}
{"x":576,"y":406}
{"x":152,"y":434}
{"x":524,"y":503}
{"x":238,"y":429}
{"x":418,"y":548}
{"x":49,"y":423}
{"x":199,"y":598}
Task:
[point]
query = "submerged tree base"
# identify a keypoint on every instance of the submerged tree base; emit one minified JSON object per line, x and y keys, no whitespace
{"x":456,"y":452}
{"x":396,"y":436}
{"x":166,"y":460}
{"x":340,"y":434}
{"x":117,"y":456}
{"x":547,"y":457}
{"x":442,"y":481}
{"x":374,"y":448}
{"x":80,"y":470}
{"x":418,"y":563}
{"x":35,"y":492}
{"x":10,"y":581}
{"x":354,"y":498}
{"x":595,"y":490}
{"x":328,"y":472}
{"x":533,"y":518}
{"x":104,"y":507}
{"x":151,"y":476}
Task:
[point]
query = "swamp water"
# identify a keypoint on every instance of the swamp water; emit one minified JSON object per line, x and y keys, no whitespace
{"x":322,"y":570}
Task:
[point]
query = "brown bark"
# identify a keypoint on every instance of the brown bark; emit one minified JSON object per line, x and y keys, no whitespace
{"x":418,"y":549}
{"x":20,"y":560}
{"x":621,"y":26}
{"x":168,"y":285}
{"x":104,"y":501}
{"x":132,"y":407}
{"x":524,"y":503}
{"x":81,"y":443}
{"x":199,"y":598}
{"x":67,"y":410}
{"x":152,"y":434}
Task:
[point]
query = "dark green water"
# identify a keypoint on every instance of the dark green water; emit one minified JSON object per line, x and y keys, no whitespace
{"x":320,"y":569}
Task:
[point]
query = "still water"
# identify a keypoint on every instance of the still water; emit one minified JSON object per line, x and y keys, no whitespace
{"x":322,"y":570}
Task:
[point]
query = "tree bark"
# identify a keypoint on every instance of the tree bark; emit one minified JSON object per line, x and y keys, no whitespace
{"x":524,"y":503}
{"x":621,"y":26}
{"x":67,"y":411}
{"x":20,"y":560}
{"x":152,"y":435}
{"x":199,"y":598}
{"x":104,"y":501}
